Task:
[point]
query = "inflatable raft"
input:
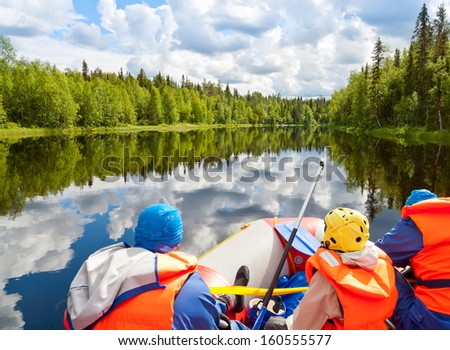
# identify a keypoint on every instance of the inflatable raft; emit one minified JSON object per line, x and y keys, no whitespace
{"x":259,"y":245}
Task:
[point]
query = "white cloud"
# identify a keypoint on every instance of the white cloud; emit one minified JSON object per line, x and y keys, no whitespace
{"x":137,"y":28}
{"x":30,"y":240}
{"x":11,"y":317}
{"x":32,"y":18}
{"x":86,"y":35}
{"x":249,"y":17}
{"x":196,"y":21}
{"x":65,"y":55}
{"x":38,"y":241}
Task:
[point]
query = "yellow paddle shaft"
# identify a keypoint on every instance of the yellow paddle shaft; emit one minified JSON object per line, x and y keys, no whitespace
{"x":241,"y":290}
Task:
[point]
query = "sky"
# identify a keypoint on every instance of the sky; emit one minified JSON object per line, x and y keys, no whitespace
{"x":289,"y":47}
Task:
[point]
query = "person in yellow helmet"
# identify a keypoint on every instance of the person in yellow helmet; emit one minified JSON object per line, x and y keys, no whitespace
{"x":351,"y":281}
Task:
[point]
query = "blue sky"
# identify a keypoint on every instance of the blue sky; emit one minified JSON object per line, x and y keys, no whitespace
{"x":287,"y":47}
{"x":88,"y":8}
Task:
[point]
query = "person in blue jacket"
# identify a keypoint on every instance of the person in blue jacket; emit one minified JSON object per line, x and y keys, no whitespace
{"x":194,"y":298}
{"x":150,"y":285}
{"x":421,"y":240}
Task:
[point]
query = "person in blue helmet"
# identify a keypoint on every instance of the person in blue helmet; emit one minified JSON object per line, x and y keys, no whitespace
{"x":421,"y":240}
{"x":150,"y":285}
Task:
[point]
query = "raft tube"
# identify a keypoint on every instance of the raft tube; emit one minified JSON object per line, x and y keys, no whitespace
{"x":259,"y":245}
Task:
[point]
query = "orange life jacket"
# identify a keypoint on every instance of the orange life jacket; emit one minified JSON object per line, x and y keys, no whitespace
{"x":432,"y":265}
{"x":367,"y":298}
{"x":151,"y":309}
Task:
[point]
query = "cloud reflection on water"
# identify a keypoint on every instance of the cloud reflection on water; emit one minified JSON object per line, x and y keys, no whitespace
{"x":41,"y":239}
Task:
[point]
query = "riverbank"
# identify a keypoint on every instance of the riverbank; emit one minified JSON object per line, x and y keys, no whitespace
{"x":17,"y":132}
{"x":403,"y":135}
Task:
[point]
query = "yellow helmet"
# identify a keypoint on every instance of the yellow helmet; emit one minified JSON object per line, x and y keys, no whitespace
{"x":346,"y":230}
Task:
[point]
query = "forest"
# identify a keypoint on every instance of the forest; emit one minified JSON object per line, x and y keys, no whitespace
{"x":37,"y":94}
{"x":404,"y":89}
{"x":409,"y":88}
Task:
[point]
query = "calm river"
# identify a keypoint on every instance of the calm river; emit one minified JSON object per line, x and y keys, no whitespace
{"x":62,"y":198}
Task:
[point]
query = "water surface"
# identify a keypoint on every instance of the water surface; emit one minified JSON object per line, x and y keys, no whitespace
{"x":62,"y":198}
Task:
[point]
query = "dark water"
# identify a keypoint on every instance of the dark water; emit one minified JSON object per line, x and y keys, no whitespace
{"x":62,"y":198}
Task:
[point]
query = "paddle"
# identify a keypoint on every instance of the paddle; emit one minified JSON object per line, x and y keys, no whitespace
{"x":259,"y":292}
{"x":269,"y":293}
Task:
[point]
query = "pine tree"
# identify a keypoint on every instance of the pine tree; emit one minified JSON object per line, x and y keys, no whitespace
{"x":85,"y":70}
{"x":409,"y":80}
{"x":397,"y":58}
{"x":441,"y":32}
{"x":159,"y":81}
{"x":440,"y":71}
{"x":422,"y":40}
{"x":143,"y":80}
{"x":121,"y":75}
{"x":376,"y":95}
{"x":228,"y":93}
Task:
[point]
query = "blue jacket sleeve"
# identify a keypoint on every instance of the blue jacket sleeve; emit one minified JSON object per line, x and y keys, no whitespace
{"x":195,"y":307}
{"x":402,"y":242}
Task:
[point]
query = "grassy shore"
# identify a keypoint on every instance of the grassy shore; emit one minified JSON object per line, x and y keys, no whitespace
{"x":404,"y":135}
{"x":18,"y":132}
{"x":401,"y":135}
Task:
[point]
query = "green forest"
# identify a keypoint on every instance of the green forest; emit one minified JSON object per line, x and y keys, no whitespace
{"x":409,"y":88}
{"x":37,"y":94}
{"x":402,"y":89}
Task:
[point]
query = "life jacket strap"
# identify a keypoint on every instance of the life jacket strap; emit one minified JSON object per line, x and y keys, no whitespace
{"x":438,"y":283}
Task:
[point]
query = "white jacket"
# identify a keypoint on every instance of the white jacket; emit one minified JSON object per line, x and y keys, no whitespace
{"x":110,"y":275}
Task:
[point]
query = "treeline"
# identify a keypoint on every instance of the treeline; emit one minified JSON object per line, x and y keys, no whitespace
{"x":36,"y":94}
{"x":409,"y":88}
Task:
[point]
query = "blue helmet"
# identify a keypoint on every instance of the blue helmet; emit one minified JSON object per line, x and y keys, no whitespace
{"x":159,"y":228}
{"x":419,"y":196}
